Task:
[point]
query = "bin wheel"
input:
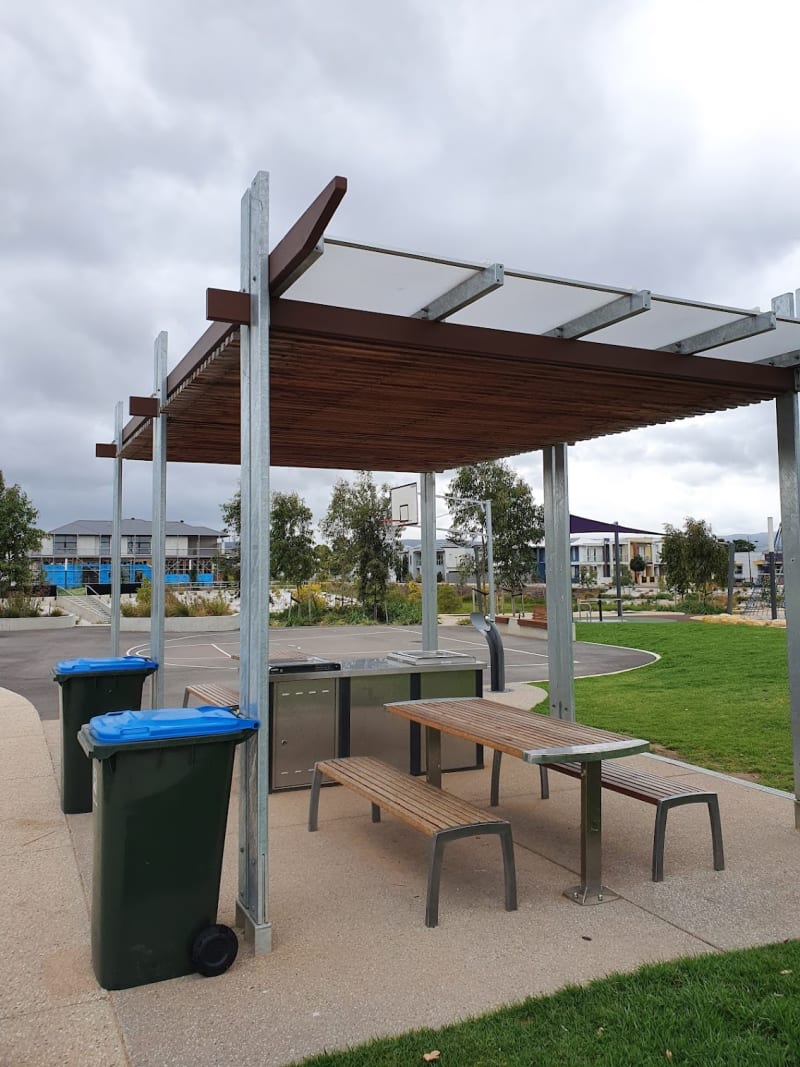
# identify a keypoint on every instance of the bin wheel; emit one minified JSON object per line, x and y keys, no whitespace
{"x":214,"y":949}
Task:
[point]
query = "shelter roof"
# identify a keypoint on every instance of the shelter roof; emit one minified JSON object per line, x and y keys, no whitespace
{"x":387,"y":360}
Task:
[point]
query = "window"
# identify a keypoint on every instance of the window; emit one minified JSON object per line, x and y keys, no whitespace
{"x":105,"y":544}
{"x":65,"y":544}
{"x":139,"y":545}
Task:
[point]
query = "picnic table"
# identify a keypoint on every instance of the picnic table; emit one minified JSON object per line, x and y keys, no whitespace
{"x":535,"y":739}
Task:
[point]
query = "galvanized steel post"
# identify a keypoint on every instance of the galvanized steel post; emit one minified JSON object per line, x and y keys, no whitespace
{"x":430,"y":631}
{"x":559,"y":585}
{"x":252,"y":907}
{"x":116,"y":527}
{"x":158,"y":527}
{"x":788,"y":423}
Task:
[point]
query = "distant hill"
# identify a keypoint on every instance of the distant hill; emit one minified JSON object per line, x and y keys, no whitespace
{"x":760,"y":540}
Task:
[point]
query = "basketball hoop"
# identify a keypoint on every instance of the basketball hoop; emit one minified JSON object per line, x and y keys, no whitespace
{"x":405,"y":505}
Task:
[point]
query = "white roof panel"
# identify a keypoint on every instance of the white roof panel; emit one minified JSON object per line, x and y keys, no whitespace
{"x":393,"y":282}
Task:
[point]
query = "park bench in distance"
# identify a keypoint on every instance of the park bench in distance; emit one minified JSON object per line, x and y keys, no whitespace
{"x":664,"y":793}
{"x":432,"y":811}
{"x":220,"y":696}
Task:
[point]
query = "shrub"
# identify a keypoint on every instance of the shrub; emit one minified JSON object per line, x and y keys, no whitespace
{"x":448,"y":600}
{"x":19,"y":606}
{"x":695,"y":606}
{"x":175,"y":606}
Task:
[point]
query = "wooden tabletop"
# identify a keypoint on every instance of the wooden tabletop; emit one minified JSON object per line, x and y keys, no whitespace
{"x":527,"y":735}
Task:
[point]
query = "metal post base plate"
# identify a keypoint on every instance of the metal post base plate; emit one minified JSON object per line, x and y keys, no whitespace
{"x":259,"y":935}
{"x":581,"y":894}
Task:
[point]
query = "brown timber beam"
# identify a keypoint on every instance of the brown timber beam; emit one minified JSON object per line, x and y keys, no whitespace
{"x":288,"y":256}
{"x":144,"y":405}
{"x":397,"y":331}
{"x":228,"y":305}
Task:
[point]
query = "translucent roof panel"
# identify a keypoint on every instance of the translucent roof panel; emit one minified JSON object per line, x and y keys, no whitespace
{"x":533,"y":305}
{"x":367,"y":279}
{"x":669,"y":321}
{"x":394,"y":282}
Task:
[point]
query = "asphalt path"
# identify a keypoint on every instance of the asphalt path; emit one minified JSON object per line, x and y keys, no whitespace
{"x":27,"y":657}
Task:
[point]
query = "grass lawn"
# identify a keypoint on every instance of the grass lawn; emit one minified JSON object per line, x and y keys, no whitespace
{"x":718,"y":697}
{"x":737,"y":1008}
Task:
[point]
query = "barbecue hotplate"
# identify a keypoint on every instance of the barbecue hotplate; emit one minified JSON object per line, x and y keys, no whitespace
{"x":302,"y":666}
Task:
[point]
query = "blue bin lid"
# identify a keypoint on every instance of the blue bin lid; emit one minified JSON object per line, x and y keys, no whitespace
{"x":120,"y":727}
{"x":114,"y":665}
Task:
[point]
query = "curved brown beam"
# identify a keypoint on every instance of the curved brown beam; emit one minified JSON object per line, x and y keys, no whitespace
{"x":296,"y":246}
{"x":287,"y":259}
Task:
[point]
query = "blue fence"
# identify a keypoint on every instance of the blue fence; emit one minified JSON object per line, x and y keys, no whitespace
{"x":75,"y":575}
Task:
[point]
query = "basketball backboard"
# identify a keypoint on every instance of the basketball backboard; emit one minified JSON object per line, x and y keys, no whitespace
{"x":405,"y":504}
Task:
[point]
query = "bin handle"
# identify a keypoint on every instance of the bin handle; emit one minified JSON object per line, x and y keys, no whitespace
{"x":134,"y":731}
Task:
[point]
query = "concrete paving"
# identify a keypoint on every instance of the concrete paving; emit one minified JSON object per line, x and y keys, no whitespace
{"x":352,"y":958}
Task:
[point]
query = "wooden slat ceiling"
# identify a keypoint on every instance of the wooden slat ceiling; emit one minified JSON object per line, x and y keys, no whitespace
{"x":356,"y":390}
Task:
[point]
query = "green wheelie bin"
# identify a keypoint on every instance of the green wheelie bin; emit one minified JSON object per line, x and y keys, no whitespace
{"x":89,"y":687}
{"x":162,"y":786}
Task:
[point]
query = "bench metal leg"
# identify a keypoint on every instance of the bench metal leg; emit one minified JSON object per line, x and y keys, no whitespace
{"x":494,"y":790}
{"x":509,"y":867}
{"x":437,"y":854}
{"x":434,"y":879}
{"x":433,"y":756}
{"x":186,"y":698}
{"x":716,"y":833}
{"x":376,"y":813}
{"x":659,"y":835}
{"x":313,"y":804}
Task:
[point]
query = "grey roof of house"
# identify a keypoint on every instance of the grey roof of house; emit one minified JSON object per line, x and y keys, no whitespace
{"x":133,"y":526}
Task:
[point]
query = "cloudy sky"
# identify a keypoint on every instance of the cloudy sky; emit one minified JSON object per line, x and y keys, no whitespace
{"x":648,"y":144}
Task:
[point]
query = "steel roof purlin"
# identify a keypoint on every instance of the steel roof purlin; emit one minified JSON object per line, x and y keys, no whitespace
{"x":358,"y":382}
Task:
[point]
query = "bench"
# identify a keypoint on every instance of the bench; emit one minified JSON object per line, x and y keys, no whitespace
{"x":664,"y":793}
{"x":440,"y":815}
{"x":221,"y":696}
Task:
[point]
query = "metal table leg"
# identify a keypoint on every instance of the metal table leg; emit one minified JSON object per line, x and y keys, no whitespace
{"x":591,"y":890}
{"x":433,"y":756}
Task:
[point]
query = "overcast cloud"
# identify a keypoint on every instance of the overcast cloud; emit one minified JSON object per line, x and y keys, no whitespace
{"x":649,"y":144}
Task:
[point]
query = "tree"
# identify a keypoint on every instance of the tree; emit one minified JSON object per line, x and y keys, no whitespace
{"x":18,"y":536}
{"x":362,"y":544}
{"x":587,"y":577}
{"x":232,"y":514}
{"x":291,"y":541}
{"x":625,"y":575}
{"x":322,"y":562}
{"x":517,"y":522}
{"x":637,"y":565}
{"x":694,"y":560}
{"x":741,"y":544}
{"x":465,"y":566}
{"x":231,"y":567}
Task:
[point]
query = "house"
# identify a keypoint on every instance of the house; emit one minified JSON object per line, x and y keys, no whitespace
{"x":448,"y":560}
{"x":79,"y":553}
{"x":595,"y":553}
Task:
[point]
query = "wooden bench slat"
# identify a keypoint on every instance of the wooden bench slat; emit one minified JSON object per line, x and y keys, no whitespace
{"x":403,"y":795}
{"x":211,"y":693}
{"x":639,"y":785}
{"x":436,"y":813}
